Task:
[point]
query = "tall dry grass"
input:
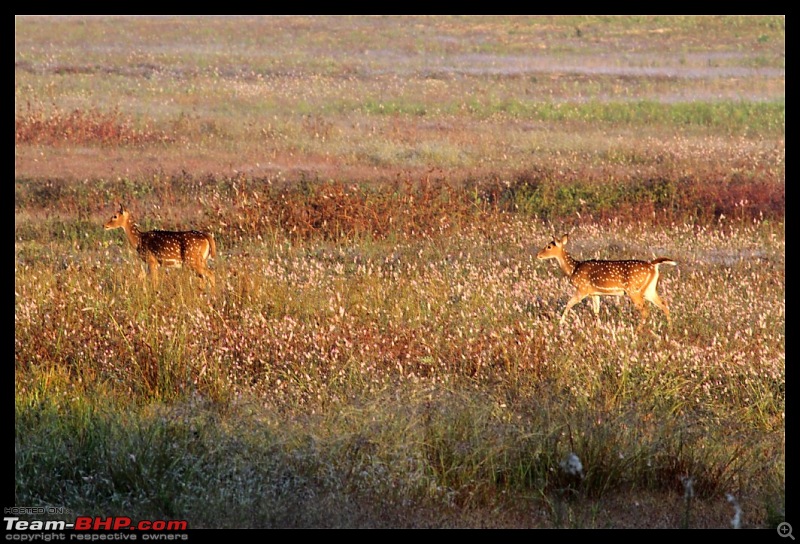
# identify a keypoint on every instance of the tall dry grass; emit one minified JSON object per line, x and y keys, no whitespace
{"x":348,"y":350}
{"x":382,"y":348}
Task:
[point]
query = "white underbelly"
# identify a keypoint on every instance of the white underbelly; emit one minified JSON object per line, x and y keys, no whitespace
{"x":614,"y":292}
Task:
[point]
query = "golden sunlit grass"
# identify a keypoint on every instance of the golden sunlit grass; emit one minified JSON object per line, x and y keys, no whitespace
{"x":444,"y":347}
{"x":382,"y":348}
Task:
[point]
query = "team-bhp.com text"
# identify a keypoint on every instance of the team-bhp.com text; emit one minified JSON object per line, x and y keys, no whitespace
{"x":123,"y":528}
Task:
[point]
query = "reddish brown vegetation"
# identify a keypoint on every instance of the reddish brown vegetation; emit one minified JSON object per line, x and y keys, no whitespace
{"x":37,"y":126}
{"x":335,"y":210}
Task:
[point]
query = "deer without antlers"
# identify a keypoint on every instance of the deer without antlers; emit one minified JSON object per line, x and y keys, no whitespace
{"x":637,"y":279}
{"x":167,"y":248}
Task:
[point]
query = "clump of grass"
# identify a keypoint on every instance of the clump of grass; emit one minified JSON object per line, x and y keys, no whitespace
{"x":36,"y":125}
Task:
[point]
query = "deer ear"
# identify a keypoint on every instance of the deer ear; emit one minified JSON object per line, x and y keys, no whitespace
{"x":564,"y":239}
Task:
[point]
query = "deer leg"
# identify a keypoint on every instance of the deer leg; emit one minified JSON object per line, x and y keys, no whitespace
{"x":576,"y":298}
{"x":638,"y":300}
{"x":152,"y":267}
{"x":655,"y":299}
{"x":650,"y":293}
{"x":596,"y":304}
{"x":206,"y":275}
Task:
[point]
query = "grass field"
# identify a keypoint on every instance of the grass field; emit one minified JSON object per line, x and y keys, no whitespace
{"x":382,"y":348}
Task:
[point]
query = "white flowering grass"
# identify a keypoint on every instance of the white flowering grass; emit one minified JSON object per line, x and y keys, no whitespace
{"x":736,"y":520}
{"x":439,"y":362}
{"x":383,"y":349}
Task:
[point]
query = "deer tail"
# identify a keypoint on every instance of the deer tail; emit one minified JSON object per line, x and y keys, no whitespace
{"x":663,"y":260}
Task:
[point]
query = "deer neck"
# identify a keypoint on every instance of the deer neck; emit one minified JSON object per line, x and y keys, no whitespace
{"x":567,"y":263}
{"x":133,"y":234}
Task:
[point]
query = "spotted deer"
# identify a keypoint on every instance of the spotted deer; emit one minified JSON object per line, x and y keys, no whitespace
{"x":637,"y":279}
{"x":167,"y":248}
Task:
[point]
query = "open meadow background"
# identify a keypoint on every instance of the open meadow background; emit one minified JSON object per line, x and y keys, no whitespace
{"x":382,"y":347}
